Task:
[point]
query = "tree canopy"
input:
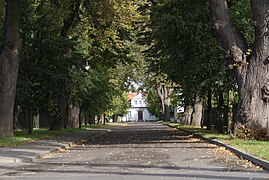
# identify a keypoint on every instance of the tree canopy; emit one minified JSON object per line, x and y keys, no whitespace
{"x":195,"y":53}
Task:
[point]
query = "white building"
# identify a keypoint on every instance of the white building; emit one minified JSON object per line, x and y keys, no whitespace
{"x":138,"y":110}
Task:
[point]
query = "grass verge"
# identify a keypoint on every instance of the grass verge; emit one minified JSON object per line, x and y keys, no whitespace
{"x":21,"y":137}
{"x":257,"y":148}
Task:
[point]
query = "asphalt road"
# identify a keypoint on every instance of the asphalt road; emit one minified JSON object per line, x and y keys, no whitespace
{"x":140,"y":151}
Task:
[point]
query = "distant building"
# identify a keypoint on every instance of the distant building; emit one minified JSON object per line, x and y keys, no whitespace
{"x":138,"y":110}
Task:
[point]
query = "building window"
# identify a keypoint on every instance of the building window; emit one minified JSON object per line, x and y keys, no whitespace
{"x":140,"y":102}
{"x":135,"y":101}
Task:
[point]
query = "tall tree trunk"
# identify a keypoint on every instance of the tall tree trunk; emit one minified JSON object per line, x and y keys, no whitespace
{"x":209,"y":107}
{"x":167,"y":102}
{"x":45,"y":118}
{"x":92,"y":119}
{"x":85,"y":119}
{"x":16,"y":117}
{"x":104,"y":119}
{"x":187,"y":115}
{"x":116,"y":118}
{"x":60,"y":113}
{"x":251,"y":72}
{"x":29,"y":118}
{"x":220,"y":112}
{"x":67,"y":25}
{"x":164,"y":93}
{"x":80,"y":119}
{"x":161,"y":98}
{"x":9,"y":63}
{"x":67,"y":120}
{"x":73,"y":119}
{"x":98,"y":119}
{"x":197,"y":114}
{"x":230,"y":113}
{"x":62,"y":100}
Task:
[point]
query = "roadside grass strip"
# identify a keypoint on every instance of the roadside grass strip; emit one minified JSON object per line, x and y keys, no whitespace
{"x":22,"y":136}
{"x":256,"y":148}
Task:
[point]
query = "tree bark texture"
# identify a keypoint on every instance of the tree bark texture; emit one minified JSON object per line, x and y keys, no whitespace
{"x":220,"y":120}
{"x":99,"y":118}
{"x":187,"y":115}
{"x":230,"y":127}
{"x":116,"y":118}
{"x":29,"y":119}
{"x":60,"y":113}
{"x":92,"y":120}
{"x":80,"y":119}
{"x":164,"y":93}
{"x":251,"y":72}
{"x":73,"y":13}
{"x":197,"y":113}
{"x":62,"y":100}
{"x":209,"y":107}
{"x":73,"y":119}
{"x":161,"y":98}
{"x":9,"y":63}
{"x":45,"y":118}
{"x":104,"y":119}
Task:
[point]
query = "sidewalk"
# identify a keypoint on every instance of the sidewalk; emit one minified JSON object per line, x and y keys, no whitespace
{"x":35,"y":150}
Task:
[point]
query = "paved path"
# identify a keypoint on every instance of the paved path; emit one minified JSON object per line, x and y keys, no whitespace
{"x":144,"y":151}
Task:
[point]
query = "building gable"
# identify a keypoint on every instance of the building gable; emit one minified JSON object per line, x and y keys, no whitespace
{"x":138,"y":101}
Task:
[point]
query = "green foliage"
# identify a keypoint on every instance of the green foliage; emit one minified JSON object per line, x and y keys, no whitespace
{"x":180,"y":45}
{"x":108,"y":27}
{"x":241,"y":16}
{"x":103,"y":36}
{"x":153,"y":103}
{"x":43,"y":73}
{"x":100,"y":90}
{"x":119,"y":105}
{"x":56,"y":41}
{"x":176,"y":39}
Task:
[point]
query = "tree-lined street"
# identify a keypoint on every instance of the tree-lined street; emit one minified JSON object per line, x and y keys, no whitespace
{"x":73,"y":62}
{"x":140,"y":150}
{"x":70,"y":66}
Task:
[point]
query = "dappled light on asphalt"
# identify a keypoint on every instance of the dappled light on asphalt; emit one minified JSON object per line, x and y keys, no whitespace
{"x":143,"y":150}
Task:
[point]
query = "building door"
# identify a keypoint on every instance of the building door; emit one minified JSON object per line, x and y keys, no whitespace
{"x":140,"y":115}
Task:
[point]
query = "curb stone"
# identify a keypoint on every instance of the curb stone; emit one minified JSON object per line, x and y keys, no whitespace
{"x":260,"y":162}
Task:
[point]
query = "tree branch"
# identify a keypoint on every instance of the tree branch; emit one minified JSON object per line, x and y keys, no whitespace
{"x":74,"y":9}
{"x":260,"y":15}
{"x":231,"y":40}
{"x":11,"y":34}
